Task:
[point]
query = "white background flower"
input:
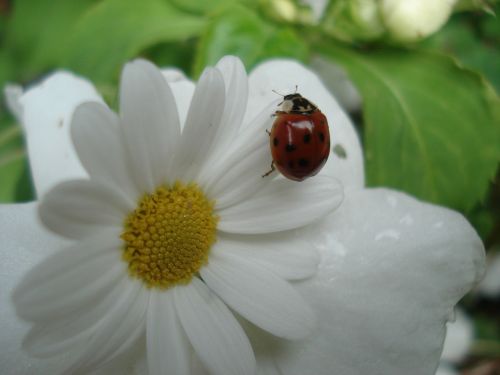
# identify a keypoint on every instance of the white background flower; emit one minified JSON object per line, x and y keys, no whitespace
{"x":391,"y":270}
{"x":458,"y":341}
{"x":402,"y":20}
{"x":411,"y":20}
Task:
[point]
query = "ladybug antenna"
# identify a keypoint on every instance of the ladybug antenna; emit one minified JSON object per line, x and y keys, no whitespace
{"x":296,"y":88}
{"x":276,"y":92}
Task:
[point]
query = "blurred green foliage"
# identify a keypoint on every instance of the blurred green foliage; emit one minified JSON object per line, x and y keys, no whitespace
{"x":431,"y":131}
{"x":430,"y":117}
{"x":237,"y":30}
{"x":475,"y":41}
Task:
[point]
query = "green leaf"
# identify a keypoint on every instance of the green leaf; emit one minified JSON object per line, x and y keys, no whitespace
{"x":114,"y":31}
{"x":14,"y":174}
{"x":13,"y":165}
{"x":203,"y":7}
{"x":487,"y":328}
{"x":37,"y":33}
{"x":479,"y":52}
{"x":6,"y":69}
{"x":431,"y":127}
{"x":483,"y":221}
{"x":24,"y":189}
{"x":468,"y":5}
{"x":183,"y":58}
{"x":241,"y":32}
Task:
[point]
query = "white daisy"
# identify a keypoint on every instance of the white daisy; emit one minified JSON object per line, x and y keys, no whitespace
{"x":173,"y":226}
{"x":391,"y":268}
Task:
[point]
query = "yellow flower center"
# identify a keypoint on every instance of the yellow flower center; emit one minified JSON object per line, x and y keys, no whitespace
{"x":169,"y":235}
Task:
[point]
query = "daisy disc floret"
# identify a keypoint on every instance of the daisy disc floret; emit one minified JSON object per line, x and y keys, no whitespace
{"x":171,"y":226}
{"x":169,"y":235}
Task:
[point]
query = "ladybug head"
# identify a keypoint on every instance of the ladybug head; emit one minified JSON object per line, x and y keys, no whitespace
{"x":293,"y":96}
{"x":296,"y":103}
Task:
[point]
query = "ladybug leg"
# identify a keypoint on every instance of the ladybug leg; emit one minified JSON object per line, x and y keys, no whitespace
{"x":268,"y":132}
{"x":271,"y":171}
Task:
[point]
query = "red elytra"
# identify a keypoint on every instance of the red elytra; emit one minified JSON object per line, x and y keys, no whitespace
{"x":299,"y":139}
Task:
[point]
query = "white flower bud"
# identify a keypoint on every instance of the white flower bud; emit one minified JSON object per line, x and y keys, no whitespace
{"x":351,"y":20}
{"x":366,"y":13}
{"x":317,"y":6}
{"x":411,"y":20}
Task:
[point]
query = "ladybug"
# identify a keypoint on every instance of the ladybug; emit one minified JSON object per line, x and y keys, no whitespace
{"x":299,"y":138}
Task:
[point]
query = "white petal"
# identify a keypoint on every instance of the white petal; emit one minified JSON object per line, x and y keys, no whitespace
{"x":259,"y":295}
{"x":71,"y":331}
{"x":459,"y":337}
{"x":47,"y":110}
{"x":12,"y":95}
{"x":236,"y":84}
{"x":69,"y":279}
{"x":267,"y":367}
{"x":150,"y":123}
{"x":266,"y":350}
{"x":283,"y":76}
{"x":445,"y":369}
{"x":196,"y":366}
{"x":282,"y":205}
{"x":99,"y":144}
{"x":24,"y":243}
{"x":117,"y":332}
{"x":174,"y":75}
{"x":337,"y":81}
{"x":238,"y":173}
{"x":214,"y":333}
{"x":287,"y":254}
{"x":141,"y":364}
{"x":168,"y":349}
{"x":391,"y":272}
{"x":202,"y":123}
{"x":183,"y":92}
{"x":76,"y":209}
{"x":128,"y":363}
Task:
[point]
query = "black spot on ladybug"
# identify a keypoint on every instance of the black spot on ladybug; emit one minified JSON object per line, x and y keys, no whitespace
{"x":303,"y":162}
{"x":291,"y":164}
{"x":321,"y":137}
{"x":290,"y":147}
{"x":340,"y":151}
{"x":275,"y":141}
{"x":307,"y":138}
